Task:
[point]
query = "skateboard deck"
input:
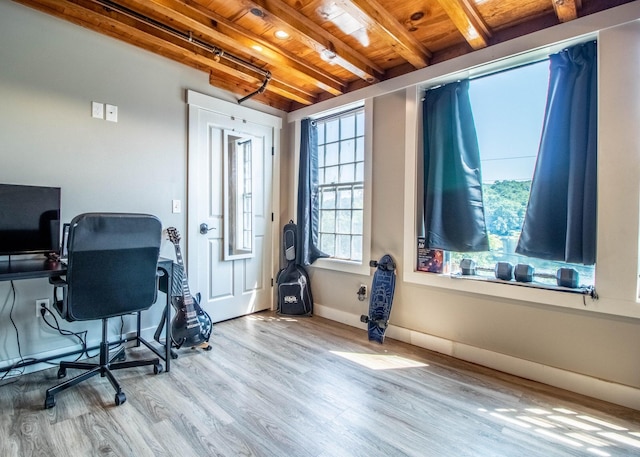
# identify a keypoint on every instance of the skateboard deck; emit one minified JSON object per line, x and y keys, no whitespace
{"x":381,"y":298}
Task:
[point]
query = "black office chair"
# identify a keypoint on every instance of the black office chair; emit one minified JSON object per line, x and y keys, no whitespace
{"x":111,"y":271}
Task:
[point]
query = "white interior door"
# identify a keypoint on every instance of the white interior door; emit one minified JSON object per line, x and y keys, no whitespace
{"x":232,"y":270}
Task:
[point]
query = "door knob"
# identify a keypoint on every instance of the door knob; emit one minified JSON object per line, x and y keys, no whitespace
{"x":204,"y":228}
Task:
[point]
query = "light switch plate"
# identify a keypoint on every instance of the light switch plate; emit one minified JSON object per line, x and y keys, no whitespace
{"x":176,"y":206}
{"x":97,"y":110}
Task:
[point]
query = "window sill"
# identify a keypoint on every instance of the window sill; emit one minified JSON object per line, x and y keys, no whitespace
{"x":488,"y":287}
{"x":345,"y":266}
{"x":536,"y":285}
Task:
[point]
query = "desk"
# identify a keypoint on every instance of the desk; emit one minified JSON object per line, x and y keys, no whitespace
{"x":30,"y":268}
{"x":36,"y":268}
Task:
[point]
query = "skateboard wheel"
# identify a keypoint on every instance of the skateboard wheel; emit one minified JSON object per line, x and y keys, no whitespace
{"x":373,"y":263}
{"x":390,"y":266}
{"x":364,"y":318}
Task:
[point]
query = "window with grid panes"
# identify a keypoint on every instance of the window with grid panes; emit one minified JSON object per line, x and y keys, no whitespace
{"x":341,"y":178}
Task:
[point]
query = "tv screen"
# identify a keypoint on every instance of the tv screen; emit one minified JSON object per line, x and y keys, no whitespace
{"x":29,"y":219}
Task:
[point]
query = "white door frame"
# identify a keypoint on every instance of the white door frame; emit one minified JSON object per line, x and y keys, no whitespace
{"x":197,"y":101}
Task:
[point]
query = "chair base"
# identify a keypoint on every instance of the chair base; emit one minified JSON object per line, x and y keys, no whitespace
{"x":104,"y":368}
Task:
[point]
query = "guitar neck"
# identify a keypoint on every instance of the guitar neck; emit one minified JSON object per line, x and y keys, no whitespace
{"x":188,"y":299}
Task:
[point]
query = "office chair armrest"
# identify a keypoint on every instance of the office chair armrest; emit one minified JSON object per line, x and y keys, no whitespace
{"x":57,"y":281}
{"x":59,"y":303}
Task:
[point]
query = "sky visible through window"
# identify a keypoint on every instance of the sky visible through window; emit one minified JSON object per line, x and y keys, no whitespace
{"x":508,"y":110}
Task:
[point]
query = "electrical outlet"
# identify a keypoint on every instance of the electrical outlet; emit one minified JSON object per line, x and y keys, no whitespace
{"x":42,"y":302}
{"x":362,"y":292}
{"x":111,"y":113}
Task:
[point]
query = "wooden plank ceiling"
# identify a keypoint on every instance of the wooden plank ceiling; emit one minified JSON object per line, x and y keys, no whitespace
{"x":293,"y":53}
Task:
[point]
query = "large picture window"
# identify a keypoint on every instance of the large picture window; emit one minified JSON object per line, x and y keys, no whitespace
{"x":508,"y":113}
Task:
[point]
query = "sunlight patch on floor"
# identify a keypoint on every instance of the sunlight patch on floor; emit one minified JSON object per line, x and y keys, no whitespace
{"x":571,"y":428}
{"x":257,"y":317}
{"x":380,"y":361}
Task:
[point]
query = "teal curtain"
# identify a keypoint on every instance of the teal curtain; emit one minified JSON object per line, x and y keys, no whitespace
{"x":453,"y":211}
{"x":308,"y":211}
{"x":560,"y":222}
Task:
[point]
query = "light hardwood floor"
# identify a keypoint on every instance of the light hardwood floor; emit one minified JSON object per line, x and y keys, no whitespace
{"x":310,"y":387}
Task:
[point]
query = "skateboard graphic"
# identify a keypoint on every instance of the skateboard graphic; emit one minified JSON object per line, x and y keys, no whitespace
{"x":381,"y":298}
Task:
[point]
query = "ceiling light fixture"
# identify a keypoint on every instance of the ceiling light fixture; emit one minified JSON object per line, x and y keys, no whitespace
{"x":414,"y":17}
{"x":328,"y":54}
{"x":281,"y":34}
{"x":257,"y":12}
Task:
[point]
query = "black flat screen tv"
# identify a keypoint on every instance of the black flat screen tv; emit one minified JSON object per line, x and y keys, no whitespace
{"x":29,"y":219}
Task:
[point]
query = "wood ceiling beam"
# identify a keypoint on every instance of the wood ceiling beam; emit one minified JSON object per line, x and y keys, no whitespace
{"x":566,"y":10}
{"x":468,"y":21}
{"x":89,"y":15}
{"x":197,"y":19}
{"x":373,"y":15}
{"x":280,"y":15}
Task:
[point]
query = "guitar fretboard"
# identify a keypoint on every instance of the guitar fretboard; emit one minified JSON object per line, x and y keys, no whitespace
{"x":186,"y":293}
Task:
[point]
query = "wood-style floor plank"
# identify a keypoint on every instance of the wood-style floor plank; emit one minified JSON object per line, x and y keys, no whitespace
{"x":310,"y":387}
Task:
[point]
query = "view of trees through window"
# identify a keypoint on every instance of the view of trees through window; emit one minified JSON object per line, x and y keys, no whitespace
{"x":508,"y":110}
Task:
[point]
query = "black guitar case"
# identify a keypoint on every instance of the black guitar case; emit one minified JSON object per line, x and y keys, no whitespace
{"x":294,"y":287}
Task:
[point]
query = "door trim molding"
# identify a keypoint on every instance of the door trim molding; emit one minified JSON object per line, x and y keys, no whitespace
{"x":196,"y":102}
{"x":232,"y":109}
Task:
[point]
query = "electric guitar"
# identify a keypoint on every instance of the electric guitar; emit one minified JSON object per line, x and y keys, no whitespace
{"x":191,"y":325}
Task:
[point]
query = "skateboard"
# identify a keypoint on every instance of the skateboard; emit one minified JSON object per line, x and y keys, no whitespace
{"x":381,"y":298}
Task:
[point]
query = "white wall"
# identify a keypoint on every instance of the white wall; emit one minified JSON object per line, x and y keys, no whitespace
{"x":50,"y":71}
{"x":591,"y":349}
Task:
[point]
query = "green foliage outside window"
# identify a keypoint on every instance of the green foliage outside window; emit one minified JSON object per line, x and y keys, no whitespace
{"x":505,"y":203}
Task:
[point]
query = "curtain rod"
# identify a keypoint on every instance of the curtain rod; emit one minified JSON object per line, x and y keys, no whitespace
{"x":491,"y":73}
{"x":328,"y":117}
{"x":522,"y":65}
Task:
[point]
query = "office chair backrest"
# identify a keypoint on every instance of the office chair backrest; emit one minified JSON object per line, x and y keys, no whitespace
{"x":112,"y":264}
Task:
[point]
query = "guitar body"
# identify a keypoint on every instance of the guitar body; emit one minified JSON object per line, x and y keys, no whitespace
{"x":191,"y":325}
{"x":185,"y":326}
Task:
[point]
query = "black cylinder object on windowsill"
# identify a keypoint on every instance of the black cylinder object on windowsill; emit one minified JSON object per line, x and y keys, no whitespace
{"x":468,"y":267}
{"x":504,"y":271}
{"x":523,"y":272}
{"x":567,"y":277}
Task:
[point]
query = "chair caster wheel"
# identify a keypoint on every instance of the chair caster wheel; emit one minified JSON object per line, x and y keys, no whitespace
{"x":62,"y":372}
{"x":120,"y":398}
{"x":49,"y":402}
{"x":157,"y":369}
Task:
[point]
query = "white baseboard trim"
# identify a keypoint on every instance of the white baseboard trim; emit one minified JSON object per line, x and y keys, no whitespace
{"x":563,"y":379}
